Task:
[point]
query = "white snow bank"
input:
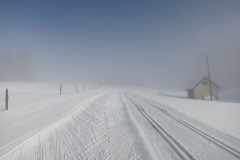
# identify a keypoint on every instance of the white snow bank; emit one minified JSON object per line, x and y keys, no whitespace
{"x":32,"y":106}
{"x":232,"y":95}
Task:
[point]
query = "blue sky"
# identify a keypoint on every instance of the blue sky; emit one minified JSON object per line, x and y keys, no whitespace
{"x":162,"y":43}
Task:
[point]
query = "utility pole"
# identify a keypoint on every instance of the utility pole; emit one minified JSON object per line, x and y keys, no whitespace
{"x":210,"y":88}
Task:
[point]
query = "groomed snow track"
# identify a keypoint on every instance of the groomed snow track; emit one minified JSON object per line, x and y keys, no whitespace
{"x":178,"y":148}
{"x":171,"y":141}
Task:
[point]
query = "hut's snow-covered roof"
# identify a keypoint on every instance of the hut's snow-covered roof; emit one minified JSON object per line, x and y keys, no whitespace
{"x":196,"y":81}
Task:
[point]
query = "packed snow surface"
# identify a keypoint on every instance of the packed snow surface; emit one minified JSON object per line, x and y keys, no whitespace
{"x":114,"y":122}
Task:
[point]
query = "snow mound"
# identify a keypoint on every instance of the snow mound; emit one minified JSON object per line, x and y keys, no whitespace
{"x":208,"y":98}
{"x":232,"y":95}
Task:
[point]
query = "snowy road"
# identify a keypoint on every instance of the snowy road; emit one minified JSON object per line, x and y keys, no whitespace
{"x":121,"y":125}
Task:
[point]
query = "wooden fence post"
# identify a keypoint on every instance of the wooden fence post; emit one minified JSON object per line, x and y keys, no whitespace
{"x":6,"y":102}
{"x":60,"y":89}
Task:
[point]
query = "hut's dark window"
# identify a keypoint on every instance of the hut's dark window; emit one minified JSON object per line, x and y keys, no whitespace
{"x":205,"y":83}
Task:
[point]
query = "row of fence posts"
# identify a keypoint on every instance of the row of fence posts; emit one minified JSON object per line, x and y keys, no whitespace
{"x":77,"y":91}
{"x":84,"y":88}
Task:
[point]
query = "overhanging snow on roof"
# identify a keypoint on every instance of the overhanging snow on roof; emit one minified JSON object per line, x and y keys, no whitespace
{"x":196,"y":81}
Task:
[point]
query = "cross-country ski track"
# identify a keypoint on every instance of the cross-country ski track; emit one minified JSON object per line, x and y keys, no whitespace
{"x":122,"y":125}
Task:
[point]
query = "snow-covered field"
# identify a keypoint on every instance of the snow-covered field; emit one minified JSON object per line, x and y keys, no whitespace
{"x":120,"y":122}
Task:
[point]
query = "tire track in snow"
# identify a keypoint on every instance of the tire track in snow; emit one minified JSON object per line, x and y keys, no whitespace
{"x":146,"y":141}
{"x":178,"y":148}
{"x":219,"y":144}
{"x":151,"y":101}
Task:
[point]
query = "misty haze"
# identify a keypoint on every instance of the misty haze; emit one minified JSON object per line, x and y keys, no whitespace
{"x":120,"y":79}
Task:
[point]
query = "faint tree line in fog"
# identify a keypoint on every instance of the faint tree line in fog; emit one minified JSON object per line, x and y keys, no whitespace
{"x":16,"y":68}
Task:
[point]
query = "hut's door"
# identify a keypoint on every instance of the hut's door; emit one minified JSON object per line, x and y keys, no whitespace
{"x":191,"y":93}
